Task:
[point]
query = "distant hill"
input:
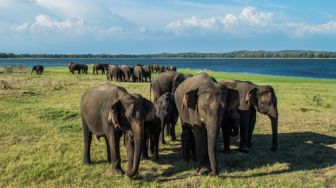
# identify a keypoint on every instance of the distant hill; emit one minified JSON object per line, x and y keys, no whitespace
{"x":235,"y":54}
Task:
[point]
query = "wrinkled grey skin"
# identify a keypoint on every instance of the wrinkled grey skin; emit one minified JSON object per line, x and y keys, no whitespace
{"x":138,"y":73}
{"x":166,"y":82}
{"x":108,"y":111}
{"x":113,"y":73}
{"x":255,"y":98}
{"x":201,"y":104}
{"x":125,"y":73}
{"x":167,"y":112}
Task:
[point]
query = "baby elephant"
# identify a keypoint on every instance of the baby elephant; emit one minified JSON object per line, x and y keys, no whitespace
{"x":152,"y":134}
{"x":167,"y":112}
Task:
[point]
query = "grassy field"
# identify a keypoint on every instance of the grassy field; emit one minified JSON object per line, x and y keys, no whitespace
{"x":41,"y":140}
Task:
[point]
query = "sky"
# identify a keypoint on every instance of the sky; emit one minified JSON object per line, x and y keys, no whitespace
{"x":156,"y":26}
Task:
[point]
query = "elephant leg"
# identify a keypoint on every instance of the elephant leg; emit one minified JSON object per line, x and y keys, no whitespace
{"x":172,"y":128}
{"x":113,"y":140}
{"x":200,"y":135}
{"x":162,"y":135}
{"x":244,"y":125}
{"x":145,"y":148}
{"x":251,"y":127}
{"x":108,"y":152}
{"x":87,"y":143}
{"x":187,"y":140}
{"x":226,"y":137}
{"x":167,"y":127}
{"x":130,"y":150}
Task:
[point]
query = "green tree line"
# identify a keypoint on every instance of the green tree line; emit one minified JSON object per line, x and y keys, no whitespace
{"x":235,"y":54}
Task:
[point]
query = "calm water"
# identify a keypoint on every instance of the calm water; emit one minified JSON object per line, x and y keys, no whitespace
{"x":310,"y":68}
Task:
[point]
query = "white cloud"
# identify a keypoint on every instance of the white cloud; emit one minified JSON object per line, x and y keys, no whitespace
{"x":45,"y":24}
{"x":303,"y":29}
{"x":248,"y":17}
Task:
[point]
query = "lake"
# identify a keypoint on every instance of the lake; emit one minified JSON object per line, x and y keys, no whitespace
{"x":308,"y":68}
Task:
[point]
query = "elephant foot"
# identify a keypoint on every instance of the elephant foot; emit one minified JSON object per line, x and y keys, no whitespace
{"x":118,"y":171}
{"x":87,"y":162}
{"x":244,"y":149}
{"x":203,"y":171}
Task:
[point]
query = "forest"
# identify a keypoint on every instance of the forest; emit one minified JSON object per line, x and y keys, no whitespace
{"x":235,"y":54}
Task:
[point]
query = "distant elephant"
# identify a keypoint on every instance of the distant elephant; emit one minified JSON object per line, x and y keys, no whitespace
{"x":167,"y":112}
{"x":108,"y":111}
{"x":147,"y":74}
{"x":38,"y":69}
{"x":113,"y":72}
{"x":138,"y":73}
{"x":125,"y":73}
{"x":160,"y":69}
{"x":254,"y":98}
{"x":201,"y":103}
{"x":100,"y":66}
{"x":166,"y":82}
{"x":84,"y":68}
{"x":171,"y":68}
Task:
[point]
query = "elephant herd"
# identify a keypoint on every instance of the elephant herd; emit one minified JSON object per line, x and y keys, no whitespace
{"x":124,"y":73}
{"x":204,"y":106}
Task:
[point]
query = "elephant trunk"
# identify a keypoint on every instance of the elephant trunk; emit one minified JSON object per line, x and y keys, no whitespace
{"x":212,"y":140}
{"x":274,"y":121}
{"x":138,"y":132}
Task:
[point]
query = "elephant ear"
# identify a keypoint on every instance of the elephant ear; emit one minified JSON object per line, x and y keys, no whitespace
{"x":150,"y":110}
{"x":251,"y":96}
{"x":113,"y":114}
{"x":190,"y":99}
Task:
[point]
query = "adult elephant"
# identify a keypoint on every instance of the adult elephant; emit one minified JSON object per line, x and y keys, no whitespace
{"x":108,"y":111}
{"x":254,"y":98}
{"x":76,"y":67}
{"x":100,"y":66}
{"x":201,"y":103}
{"x":38,"y":69}
{"x":125,"y":73}
{"x":171,"y":68}
{"x":138,"y":73}
{"x":84,"y":68}
{"x":113,"y":72}
{"x":166,"y":82}
{"x":147,"y":75}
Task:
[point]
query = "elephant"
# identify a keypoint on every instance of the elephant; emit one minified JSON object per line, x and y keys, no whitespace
{"x":231,"y":119}
{"x":254,"y":98}
{"x":171,"y":68}
{"x":152,"y":136}
{"x":152,"y":129}
{"x":81,"y":68}
{"x":166,"y":82}
{"x":125,"y":73}
{"x":113,"y":72}
{"x":100,"y":66}
{"x":168,"y":115}
{"x":84,"y":68}
{"x":38,"y":69}
{"x":201,"y":103}
{"x":108,"y":111}
{"x":160,"y":69}
{"x":147,"y":74}
{"x":138,"y":73}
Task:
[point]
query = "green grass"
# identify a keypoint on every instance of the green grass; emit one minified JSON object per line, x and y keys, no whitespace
{"x":42,"y":145}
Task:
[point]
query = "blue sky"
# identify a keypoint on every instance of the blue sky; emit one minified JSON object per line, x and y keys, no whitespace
{"x":139,"y":26}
